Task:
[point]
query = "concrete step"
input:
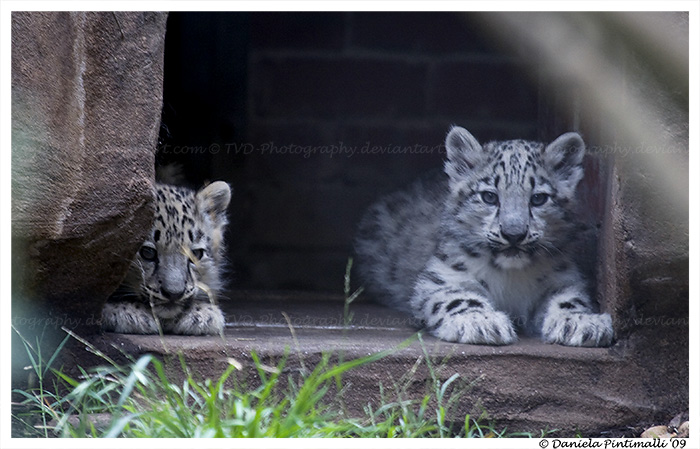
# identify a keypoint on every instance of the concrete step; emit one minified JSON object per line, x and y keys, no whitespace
{"x":528,"y":386}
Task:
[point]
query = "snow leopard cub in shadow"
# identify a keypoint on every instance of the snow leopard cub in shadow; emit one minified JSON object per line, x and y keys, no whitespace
{"x":174,"y":279}
{"x":485,"y":248}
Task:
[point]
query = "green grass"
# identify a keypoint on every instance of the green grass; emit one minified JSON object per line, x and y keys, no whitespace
{"x":141,"y":400}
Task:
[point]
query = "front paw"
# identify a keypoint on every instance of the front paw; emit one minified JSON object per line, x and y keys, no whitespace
{"x":128,"y":318}
{"x":475,"y":327}
{"x":579,"y":329}
{"x":200,"y":319}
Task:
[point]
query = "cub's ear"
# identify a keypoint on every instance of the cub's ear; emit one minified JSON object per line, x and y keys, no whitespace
{"x":463,"y":153}
{"x":212,"y":200}
{"x":564,"y":158}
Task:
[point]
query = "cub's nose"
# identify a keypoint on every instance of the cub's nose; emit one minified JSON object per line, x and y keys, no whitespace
{"x":514,"y":237}
{"x":170,"y":293}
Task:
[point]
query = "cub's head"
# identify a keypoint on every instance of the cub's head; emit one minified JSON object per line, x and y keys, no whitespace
{"x":182,"y":254}
{"x":511,"y":199}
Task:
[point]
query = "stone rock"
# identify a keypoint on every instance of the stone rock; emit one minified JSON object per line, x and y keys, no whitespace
{"x":673,"y":430}
{"x":529,"y":386}
{"x":657,"y":432}
{"x":86,"y":105}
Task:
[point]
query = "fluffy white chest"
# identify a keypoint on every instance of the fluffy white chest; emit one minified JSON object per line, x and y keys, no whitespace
{"x":515,"y":291}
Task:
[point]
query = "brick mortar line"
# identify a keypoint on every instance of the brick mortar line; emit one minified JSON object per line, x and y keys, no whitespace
{"x":255,"y":120}
{"x":256,"y":56}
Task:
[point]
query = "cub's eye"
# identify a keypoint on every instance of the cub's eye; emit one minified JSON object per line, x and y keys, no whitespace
{"x":198,"y":253}
{"x":489,"y":198}
{"x":148,"y":253}
{"x":539,"y":199}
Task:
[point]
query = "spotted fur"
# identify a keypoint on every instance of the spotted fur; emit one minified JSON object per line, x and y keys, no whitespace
{"x":484,"y":250}
{"x":174,"y":279}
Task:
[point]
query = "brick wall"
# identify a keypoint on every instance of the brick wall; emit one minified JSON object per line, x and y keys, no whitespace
{"x":330,"y":111}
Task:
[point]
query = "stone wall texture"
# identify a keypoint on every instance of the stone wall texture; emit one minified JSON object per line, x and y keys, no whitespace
{"x":86,"y":105}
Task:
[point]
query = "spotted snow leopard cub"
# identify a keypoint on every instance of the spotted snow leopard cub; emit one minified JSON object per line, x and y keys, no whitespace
{"x":487,"y":249}
{"x":174,"y":278}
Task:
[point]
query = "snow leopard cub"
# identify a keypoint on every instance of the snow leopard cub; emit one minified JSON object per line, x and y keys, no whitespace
{"x":484,"y":249}
{"x":174,"y":278}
